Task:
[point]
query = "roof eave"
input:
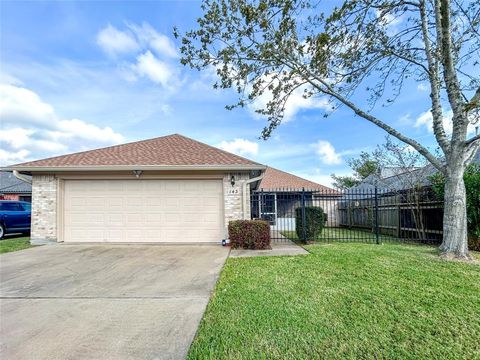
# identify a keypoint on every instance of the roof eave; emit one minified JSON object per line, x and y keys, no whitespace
{"x":238,"y":167}
{"x":16,"y":192}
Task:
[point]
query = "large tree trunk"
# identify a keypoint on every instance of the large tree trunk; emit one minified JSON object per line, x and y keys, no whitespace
{"x":455,"y":214}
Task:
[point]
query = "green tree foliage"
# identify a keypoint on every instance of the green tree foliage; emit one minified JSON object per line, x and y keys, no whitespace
{"x":344,"y":182}
{"x":364,"y":165}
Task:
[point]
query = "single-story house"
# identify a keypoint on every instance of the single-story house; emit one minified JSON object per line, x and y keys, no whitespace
{"x":13,"y":188}
{"x":170,"y":189}
{"x":279,"y":193}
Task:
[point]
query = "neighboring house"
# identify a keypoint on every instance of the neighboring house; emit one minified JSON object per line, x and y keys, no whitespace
{"x":399,"y":179}
{"x":12,"y":188}
{"x":389,"y":179}
{"x":170,"y":189}
{"x":279,"y":193}
{"x":476,"y":158}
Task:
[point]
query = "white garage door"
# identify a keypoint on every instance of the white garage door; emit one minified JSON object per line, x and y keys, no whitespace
{"x":143,"y":211}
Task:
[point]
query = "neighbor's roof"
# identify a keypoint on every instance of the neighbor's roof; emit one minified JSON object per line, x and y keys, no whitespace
{"x":275,"y":179}
{"x":9,"y":184}
{"x":476,"y":158}
{"x":401,"y":181}
{"x":172,"y":151}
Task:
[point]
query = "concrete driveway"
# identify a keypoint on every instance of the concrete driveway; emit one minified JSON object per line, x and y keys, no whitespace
{"x":104,"y":301}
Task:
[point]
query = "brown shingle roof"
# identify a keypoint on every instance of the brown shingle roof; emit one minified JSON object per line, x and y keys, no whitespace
{"x":275,"y":179}
{"x":171,"y":150}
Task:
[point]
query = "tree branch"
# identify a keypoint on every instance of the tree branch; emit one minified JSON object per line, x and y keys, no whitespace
{"x":410,"y":60}
{"x":327,"y":89}
{"x":417,"y":146}
{"x":474,"y":102}
{"x":472,"y":140}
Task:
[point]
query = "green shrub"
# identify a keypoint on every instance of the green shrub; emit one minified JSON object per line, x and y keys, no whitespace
{"x":249,"y":234}
{"x":314,"y":222}
{"x":474,"y":243}
{"x":472,"y":186}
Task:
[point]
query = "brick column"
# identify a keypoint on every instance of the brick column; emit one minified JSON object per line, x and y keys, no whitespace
{"x":233,"y":200}
{"x":44,"y":209}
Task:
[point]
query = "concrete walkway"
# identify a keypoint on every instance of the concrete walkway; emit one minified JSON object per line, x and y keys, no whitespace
{"x":282,"y":247}
{"x":104,"y":301}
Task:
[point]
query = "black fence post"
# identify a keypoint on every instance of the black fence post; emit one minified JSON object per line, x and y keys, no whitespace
{"x":260,"y":205}
{"x":377,"y":229}
{"x":304,"y":218}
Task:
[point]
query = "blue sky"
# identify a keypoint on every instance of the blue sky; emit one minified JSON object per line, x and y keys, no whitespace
{"x":81,"y":75}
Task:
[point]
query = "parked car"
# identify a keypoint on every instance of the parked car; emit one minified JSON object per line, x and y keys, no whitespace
{"x":15,"y":217}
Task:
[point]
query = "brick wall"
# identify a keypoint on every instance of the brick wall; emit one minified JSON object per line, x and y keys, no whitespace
{"x":44,"y":209}
{"x":233,"y":197}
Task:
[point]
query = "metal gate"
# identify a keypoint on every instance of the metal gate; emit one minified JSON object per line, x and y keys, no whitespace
{"x":358,"y":215}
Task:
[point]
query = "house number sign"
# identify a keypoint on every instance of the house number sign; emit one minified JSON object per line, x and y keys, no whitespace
{"x":234,"y":190}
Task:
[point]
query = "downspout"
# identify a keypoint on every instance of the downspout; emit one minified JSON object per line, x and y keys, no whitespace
{"x":244,"y":192}
{"x":21,"y":177}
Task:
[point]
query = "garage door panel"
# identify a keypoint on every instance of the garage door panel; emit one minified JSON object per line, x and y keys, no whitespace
{"x":135,"y":219}
{"x":114,"y":186}
{"x":143,"y":211}
{"x":133,"y":201}
{"x":173,"y":220}
{"x":81,"y":219}
{"x":114,"y":203}
{"x":154,"y":186}
{"x":171,"y":201}
{"x":154,"y":219}
{"x":77,"y":201}
{"x":99,"y":186}
{"x":214,"y":186}
{"x":133,"y":234}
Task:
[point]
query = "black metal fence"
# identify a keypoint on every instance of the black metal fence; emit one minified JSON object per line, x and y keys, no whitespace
{"x":374,"y":215}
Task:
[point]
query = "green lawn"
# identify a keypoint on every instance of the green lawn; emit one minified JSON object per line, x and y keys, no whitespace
{"x":10,"y":244}
{"x":344,"y":301}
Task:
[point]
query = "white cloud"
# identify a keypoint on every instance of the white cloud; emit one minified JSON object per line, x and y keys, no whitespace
{"x":32,"y":129}
{"x":423,"y":87}
{"x":114,"y":41}
{"x":405,"y":119}
{"x":9,"y":79}
{"x":148,"y":65}
{"x":327,"y":153}
{"x":148,"y":37}
{"x":425,"y":120}
{"x":295,"y":103}
{"x":389,"y":21}
{"x":7,"y":157}
{"x":240,"y":147}
{"x":23,"y":106}
{"x":153,"y":53}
